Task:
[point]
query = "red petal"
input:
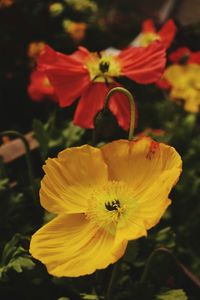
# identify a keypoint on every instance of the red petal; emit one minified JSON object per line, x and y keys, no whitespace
{"x":143,"y":64}
{"x":194,"y":58}
{"x":81,"y":54}
{"x":148,"y":26}
{"x":68,"y":75}
{"x":167,"y":33}
{"x":50,"y":58}
{"x":92,"y":101}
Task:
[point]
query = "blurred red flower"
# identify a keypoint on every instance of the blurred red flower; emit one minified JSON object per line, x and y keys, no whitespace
{"x":40,"y":87}
{"x":91,"y":75}
{"x":149,"y":33}
{"x":184,"y":54}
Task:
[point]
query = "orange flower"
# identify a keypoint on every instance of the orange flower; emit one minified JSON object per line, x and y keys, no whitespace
{"x":76,"y":30}
{"x":35,"y":49}
{"x":40,"y":87}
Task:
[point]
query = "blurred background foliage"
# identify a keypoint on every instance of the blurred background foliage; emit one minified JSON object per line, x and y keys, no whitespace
{"x":174,"y":269}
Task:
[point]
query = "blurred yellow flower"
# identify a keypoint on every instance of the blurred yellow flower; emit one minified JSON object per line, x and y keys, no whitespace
{"x":35,"y":49}
{"x":56,"y":9}
{"x":82,"y":5}
{"x":75,"y":29}
{"x":6,"y":3}
{"x":185,"y":84}
{"x":103,"y":198}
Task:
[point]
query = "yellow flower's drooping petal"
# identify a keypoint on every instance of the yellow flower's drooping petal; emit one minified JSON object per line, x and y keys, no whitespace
{"x":71,"y":246}
{"x":70,"y":178}
{"x":139,"y":163}
{"x":134,"y":229}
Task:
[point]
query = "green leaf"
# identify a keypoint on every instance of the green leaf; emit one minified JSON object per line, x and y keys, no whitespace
{"x":15,"y":257}
{"x":72,"y":134}
{"x":42,"y":137}
{"x":172,"y":295}
{"x":3,"y":184}
{"x":89,"y":297}
{"x":166,"y":238}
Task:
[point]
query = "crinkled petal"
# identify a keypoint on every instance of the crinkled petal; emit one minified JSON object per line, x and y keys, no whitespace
{"x":68,"y":75}
{"x":133,"y":230}
{"x":70,"y":179}
{"x":140,"y":163}
{"x":152,"y":203}
{"x":81,"y":54}
{"x":71,"y":246}
{"x":143,"y":64}
{"x":91,"y":102}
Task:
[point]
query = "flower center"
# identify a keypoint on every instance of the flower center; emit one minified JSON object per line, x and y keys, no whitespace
{"x":114,"y":205}
{"x":110,"y":205}
{"x":102,"y":68}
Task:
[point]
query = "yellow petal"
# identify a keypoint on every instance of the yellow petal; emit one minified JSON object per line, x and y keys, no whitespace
{"x":70,"y":178}
{"x":154,"y":201}
{"x":71,"y":246}
{"x":140,"y":163}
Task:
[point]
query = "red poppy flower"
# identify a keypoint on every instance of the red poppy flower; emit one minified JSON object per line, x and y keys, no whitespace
{"x":91,"y":75}
{"x":40,"y":87}
{"x":149,"y":33}
{"x":185,"y":54}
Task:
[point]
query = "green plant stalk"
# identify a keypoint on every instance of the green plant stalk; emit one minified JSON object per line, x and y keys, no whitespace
{"x":27,"y":157}
{"x":124,"y":91}
{"x":132,"y":107}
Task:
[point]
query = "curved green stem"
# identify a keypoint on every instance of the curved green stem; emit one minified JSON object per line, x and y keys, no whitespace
{"x":132,"y":106}
{"x":27,"y":156}
{"x":168,"y":253}
{"x":149,"y":263}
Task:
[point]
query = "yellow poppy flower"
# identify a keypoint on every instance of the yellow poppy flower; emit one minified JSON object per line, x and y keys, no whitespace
{"x":185,"y":85}
{"x":103,"y":197}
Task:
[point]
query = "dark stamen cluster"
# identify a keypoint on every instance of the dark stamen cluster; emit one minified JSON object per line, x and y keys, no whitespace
{"x":114,"y":205}
{"x":104,"y":66}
